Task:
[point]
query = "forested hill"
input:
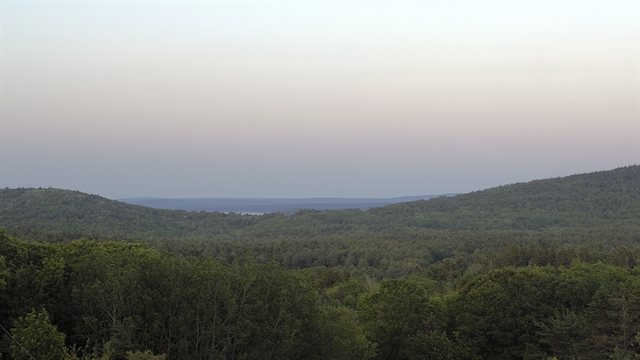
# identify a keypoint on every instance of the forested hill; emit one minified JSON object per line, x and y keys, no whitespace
{"x":73,"y":211}
{"x":587,"y":200}
{"x":600,"y":199}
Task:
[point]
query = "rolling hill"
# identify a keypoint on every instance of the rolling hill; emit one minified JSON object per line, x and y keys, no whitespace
{"x":599,"y":199}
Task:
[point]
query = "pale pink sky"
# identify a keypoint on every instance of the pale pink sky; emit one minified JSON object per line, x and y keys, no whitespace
{"x":340,"y":99}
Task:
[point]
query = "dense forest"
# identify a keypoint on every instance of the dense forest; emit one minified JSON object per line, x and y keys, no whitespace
{"x":607,"y":198}
{"x":117,"y":300}
{"x":540,"y":270}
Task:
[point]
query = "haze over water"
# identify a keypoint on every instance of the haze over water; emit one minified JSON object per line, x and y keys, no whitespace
{"x":311,"y":99}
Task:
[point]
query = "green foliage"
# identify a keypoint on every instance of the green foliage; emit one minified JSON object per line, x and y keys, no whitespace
{"x":347,"y":292}
{"x":37,"y":338}
{"x":116,"y":298}
{"x":106,"y":353}
{"x":496,"y":314}
{"x":147,"y":355}
{"x":585,"y":200}
{"x":562,"y":334}
{"x":344,"y":339}
{"x":133,"y":298}
{"x":74,"y":213}
{"x":547,"y":269}
{"x":434,"y":345}
{"x":4,"y":273}
{"x":399,"y":310}
{"x":601,"y":199}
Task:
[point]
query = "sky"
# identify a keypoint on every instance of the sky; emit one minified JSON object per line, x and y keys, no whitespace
{"x":314,"y":99}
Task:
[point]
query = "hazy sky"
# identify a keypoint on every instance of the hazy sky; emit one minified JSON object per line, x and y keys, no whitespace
{"x":306,"y":99}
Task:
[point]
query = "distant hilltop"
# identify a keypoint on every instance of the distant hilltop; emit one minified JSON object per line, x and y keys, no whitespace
{"x":599,"y":199}
{"x":262,"y":206}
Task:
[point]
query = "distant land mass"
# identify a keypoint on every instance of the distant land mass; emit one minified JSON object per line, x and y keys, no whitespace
{"x":599,"y":199}
{"x":269,"y":205}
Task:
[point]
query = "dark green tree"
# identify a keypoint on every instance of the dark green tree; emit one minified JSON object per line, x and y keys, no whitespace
{"x":37,"y":338}
{"x":398,"y":310}
{"x":496,"y":314}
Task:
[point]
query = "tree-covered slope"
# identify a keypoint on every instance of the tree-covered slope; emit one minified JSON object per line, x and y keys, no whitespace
{"x":600,"y":199}
{"x":74,"y":211}
{"x":596,"y":199}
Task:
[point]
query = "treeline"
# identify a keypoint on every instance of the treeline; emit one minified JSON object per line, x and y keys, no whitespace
{"x":601,"y":199}
{"x":384,"y":256}
{"x":117,"y":300}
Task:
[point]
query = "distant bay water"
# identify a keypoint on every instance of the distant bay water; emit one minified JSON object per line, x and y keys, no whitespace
{"x":258,"y":206}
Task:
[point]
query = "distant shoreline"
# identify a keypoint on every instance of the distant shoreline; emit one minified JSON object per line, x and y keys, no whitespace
{"x":260,"y":206}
